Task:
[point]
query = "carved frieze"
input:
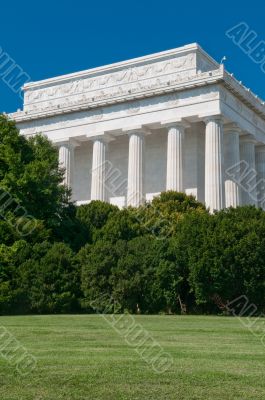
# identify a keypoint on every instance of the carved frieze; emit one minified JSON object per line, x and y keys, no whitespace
{"x":114,"y":84}
{"x":126,"y":75}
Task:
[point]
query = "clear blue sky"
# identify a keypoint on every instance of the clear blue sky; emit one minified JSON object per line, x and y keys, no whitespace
{"x":56,"y":37}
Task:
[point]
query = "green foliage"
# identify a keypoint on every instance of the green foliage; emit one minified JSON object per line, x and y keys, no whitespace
{"x":30,"y":176}
{"x":160,"y":218}
{"x":34,"y":205}
{"x":230,"y":259}
{"x":96,"y":213}
{"x":94,"y":216}
{"x":169,"y":255}
{"x":51,"y":279}
{"x":97,"y":262}
{"x":181,"y":267}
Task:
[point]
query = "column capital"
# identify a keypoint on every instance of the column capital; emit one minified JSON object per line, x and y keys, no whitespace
{"x":101,"y":137}
{"x":232,"y":128}
{"x":260,"y":148}
{"x":247,"y":138}
{"x":70,"y":142}
{"x":213,"y":118}
{"x":175,"y":123}
{"x":137,"y":130}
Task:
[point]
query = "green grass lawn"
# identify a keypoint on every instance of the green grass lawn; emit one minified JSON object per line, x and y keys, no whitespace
{"x":82,"y":357}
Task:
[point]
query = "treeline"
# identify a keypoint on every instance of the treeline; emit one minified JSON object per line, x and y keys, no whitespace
{"x":168,"y":256}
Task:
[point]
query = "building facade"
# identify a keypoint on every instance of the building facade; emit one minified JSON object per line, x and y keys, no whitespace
{"x":174,"y":120}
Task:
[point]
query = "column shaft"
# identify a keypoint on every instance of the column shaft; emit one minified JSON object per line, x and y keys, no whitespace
{"x":135,"y":190}
{"x":65,"y":162}
{"x":175,"y":158}
{"x":248,"y":172}
{"x":98,"y":170}
{"x":214,"y":179}
{"x":260,"y":167}
{"x":232,"y":173}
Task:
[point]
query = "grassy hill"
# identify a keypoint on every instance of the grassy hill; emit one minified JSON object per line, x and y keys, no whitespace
{"x":82,"y":357}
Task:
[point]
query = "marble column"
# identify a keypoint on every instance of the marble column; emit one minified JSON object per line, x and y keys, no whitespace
{"x":232,"y":165}
{"x":248,"y":181}
{"x":66,"y":161}
{"x":98,"y":169}
{"x":135,"y":190}
{"x":214,"y":176}
{"x":175,"y":146}
{"x":260,"y":168}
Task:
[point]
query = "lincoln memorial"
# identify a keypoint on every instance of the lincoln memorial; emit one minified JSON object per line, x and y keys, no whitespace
{"x":175,"y":120}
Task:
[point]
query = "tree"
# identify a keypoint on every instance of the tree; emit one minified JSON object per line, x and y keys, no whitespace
{"x":169,"y":255}
{"x":51,"y":279}
{"x":95,"y":215}
{"x":123,"y":225}
{"x":133,"y":277}
{"x":97,"y":262}
{"x":30,"y":177}
{"x":228,"y":259}
{"x":12,"y":297}
{"x":161,"y":217}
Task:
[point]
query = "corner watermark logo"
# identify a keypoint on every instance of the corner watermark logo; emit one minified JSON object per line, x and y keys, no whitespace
{"x":12,"y":74}
{"x":12,"y":351}
{"x":248,"y":41}
{"x":23,"y":222}
{"x":134,"y":334}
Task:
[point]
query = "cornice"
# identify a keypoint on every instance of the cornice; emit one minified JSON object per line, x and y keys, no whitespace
{"x":245,"y":95}
{"x":115,"y":66}
{"x":125,"y":83}
{"x":200,"y":80}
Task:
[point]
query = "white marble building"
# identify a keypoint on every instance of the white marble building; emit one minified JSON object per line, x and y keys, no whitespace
{"x":172,"y":120}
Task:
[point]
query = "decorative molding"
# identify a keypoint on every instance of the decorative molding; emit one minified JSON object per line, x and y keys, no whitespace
{"x":174,"y":99}
{"x":158,"y":103}
{"x":133,"y":107}
{"x":140,"y":90}
{"x":87,"y":88}
{"x":242,"y":109}
{"x":178,"y":78}
{"x":97,"y":115}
